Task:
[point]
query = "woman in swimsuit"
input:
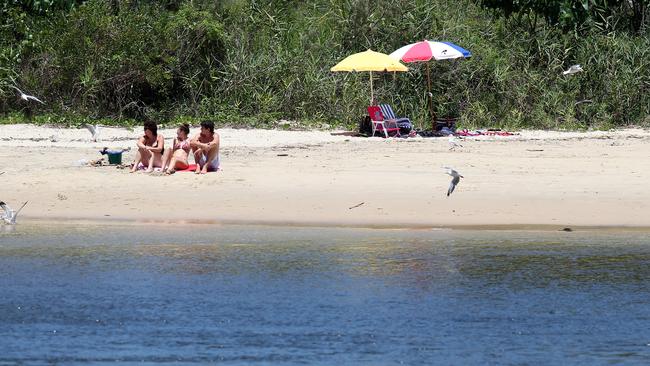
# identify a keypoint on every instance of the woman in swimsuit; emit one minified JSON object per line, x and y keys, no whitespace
{"x":176,"y":158}
{"x":150,"y":148}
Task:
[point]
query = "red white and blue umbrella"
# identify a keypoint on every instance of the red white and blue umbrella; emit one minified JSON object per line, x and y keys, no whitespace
{"x":427,"y":50}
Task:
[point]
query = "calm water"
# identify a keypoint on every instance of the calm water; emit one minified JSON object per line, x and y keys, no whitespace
{"x":73,"y":295}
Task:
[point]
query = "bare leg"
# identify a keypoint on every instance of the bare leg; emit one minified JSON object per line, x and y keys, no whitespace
{"x":156,"y":159}
{"x":198,"y":154}
{"x":212,"y":153}
{"x":166,"y":159}
{"x":149,"y":165}
{"x":180,"y":164}
{"x":136,"y":162}
{"x":139,"y":157}
{"x":178,"y":161}
{"x":172,"y":166}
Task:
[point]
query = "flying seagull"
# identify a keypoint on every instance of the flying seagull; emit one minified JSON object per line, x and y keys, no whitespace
{"x":573,"y":70}
{"x":26,"y":97}
{"x":10,"y":215}
{"x":454,"y":180}
{"x":94,"y":130}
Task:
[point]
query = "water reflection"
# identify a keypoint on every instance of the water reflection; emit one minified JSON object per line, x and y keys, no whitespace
{"x":418,"y":257}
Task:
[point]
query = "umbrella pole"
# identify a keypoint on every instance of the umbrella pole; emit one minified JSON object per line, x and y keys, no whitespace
{"x":371,"y":96}
{"x":433,"y":115}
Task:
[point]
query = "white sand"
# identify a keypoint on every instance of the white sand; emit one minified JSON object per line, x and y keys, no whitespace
{"x":559,"y":179}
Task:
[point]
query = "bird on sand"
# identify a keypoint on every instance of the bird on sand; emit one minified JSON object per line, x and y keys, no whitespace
{"x":455,"y":178}
{"x":453,"y":142}
{"x":573,"y":70}
{"x":10,"y":215}
{"x":94,"y":130}
{"x":27,"y":97}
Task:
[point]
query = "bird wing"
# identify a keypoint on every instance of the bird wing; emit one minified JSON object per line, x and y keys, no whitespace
{"x":91,"y":128}
{"x":34,"y":98}
{"x":452,"y":185}
{"x":21,"y":207}
{"x":15,"y":87}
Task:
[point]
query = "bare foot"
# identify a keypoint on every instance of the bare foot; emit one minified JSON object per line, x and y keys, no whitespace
{"x":198,"y":170}
{"x":149,"y":170}
{"x":205,"y":169}
{"x":170,"y":171}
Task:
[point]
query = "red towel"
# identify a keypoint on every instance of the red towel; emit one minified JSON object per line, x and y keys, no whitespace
{"x":190,"y":168}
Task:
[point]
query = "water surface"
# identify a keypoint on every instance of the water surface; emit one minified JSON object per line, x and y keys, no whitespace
{"x":240,"y":295}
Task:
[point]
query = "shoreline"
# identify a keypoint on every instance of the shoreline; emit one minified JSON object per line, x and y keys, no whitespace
{"x":538,"y":179}
{"x":43,"y":221}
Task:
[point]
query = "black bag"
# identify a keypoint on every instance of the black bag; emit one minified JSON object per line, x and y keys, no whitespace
{"x":405,"y":127}
{"x":365,"y":126}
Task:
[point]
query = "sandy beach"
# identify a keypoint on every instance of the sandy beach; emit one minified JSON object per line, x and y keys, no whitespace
{"x":553,"y":179}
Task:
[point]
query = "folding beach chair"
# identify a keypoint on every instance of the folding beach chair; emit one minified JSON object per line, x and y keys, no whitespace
{"x":379,"y":122}
{"x":403,"y":123}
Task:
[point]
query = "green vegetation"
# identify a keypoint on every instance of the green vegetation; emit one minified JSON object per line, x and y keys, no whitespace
{"x":253,"y":62}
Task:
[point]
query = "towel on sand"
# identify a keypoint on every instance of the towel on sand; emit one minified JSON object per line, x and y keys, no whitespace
{"x":192,"y":167}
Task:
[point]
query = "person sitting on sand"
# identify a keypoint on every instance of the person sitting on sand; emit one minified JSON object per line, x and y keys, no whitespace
{"x":176,"y":157}
{"x":206,"y":149}
{"x":151,"y":146}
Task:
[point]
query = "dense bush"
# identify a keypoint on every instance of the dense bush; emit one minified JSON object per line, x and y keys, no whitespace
{"x":253,"y":62}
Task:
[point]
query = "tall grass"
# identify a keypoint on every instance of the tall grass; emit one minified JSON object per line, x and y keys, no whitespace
{"x":254,"y":62}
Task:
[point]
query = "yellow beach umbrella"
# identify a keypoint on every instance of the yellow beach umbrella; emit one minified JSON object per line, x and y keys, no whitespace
{"x":369,"y":61}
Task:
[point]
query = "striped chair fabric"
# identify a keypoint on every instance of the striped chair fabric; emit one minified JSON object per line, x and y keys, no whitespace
{"x":388,"y":113}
